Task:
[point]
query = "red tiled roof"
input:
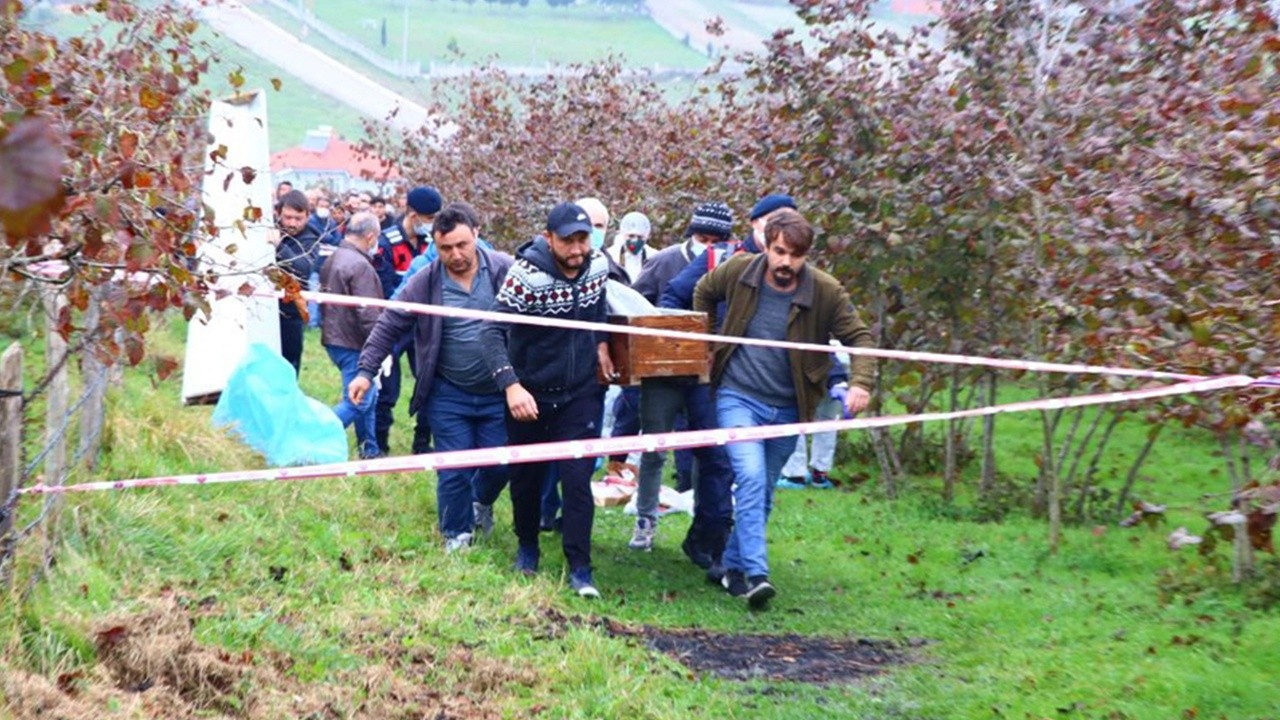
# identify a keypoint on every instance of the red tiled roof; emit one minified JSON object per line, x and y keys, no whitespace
{"x":338,"y":154}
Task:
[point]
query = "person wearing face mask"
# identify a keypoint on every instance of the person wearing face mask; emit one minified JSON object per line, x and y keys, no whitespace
{"x":679,"y":292}
{"x":599,"y":215}
{"x":323,"y":225}
{"x":630,"y":249}
{"x":398,"y":246}
{"x":349,"y":271}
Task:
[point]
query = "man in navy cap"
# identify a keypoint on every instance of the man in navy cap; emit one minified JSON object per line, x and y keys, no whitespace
{"x":400,"y":243}
{"x":548,"y":376}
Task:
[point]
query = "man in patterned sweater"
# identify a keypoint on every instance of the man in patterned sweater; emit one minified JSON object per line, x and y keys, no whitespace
{"x":549,"y":378}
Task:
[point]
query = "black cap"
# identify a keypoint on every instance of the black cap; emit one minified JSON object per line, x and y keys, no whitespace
{"x":566,"y":219}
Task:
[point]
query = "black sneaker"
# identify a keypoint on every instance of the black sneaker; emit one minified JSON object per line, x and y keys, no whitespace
{"x":759,"y":591}
{"x":715,"y":574}
{"x":695,"y":553}
{"x":734,"y":582}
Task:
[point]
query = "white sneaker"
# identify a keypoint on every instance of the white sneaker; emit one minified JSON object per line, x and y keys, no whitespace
{"x":642,"y":537}
{"x":457,"y":543}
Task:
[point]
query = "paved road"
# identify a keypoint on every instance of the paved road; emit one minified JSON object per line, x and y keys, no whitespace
{"x":690,"y":17}
{"x":272,"y":43}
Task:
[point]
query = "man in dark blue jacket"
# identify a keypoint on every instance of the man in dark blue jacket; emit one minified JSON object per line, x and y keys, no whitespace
{"x":454,"y":385}
{"x":679,"y":292}
{"x":549,"y":378}
{"x":408,"y":237}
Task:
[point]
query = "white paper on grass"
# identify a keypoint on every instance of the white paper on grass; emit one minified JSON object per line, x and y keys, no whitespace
{"x":669,"y":501}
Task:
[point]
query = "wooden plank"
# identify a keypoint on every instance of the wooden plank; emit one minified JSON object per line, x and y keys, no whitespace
{"x":10,"y":427}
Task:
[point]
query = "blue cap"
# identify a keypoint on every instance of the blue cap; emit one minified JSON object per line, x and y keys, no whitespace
{"x":424,"y":200}
{"x":769,"y":203}
{"x":566,"y":219}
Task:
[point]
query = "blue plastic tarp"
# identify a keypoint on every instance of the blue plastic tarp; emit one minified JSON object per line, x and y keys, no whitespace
{"x":264,"y":406}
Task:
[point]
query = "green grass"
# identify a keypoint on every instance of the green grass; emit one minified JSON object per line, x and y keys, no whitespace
{"x":514,"y":36}
{"x":1114,"y":625}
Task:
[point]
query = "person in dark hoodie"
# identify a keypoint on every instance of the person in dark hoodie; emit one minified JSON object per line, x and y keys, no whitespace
{"x":549,"y":378}
{"x":297,"y":255}
{"x":454,"y":384}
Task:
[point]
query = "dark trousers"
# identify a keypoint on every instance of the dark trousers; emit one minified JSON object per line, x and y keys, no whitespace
{"x":626,"y":417}
{"x":388,"y":396}
{"x":575,"y":419}
{"x":291,"y":336}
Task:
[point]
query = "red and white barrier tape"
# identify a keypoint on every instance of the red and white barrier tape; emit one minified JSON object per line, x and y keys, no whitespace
{"x":906,"y":355}
{"x":608,"y":446}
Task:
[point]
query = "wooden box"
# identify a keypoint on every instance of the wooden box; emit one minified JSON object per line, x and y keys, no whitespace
{"x":642,"y":356}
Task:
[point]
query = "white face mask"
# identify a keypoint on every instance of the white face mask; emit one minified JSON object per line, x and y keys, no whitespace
{"x":322,"y":213}
{"x":423,"y":229}
{"x":698,"y":245}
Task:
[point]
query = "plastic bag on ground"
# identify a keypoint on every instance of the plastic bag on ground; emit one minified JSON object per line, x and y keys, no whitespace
{"x":669,"y":501}
{"x":268,"y":411}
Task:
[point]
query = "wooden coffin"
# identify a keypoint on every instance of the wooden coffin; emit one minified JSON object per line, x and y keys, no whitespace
{"x":642,"y":356}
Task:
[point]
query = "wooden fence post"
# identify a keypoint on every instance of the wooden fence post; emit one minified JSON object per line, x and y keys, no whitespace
{"x":55,"y":351}
{"x":10,"y":428}
{"x":95,"y":374}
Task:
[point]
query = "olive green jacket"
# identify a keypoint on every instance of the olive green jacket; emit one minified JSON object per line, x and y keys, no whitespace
{"x":820,"y":310}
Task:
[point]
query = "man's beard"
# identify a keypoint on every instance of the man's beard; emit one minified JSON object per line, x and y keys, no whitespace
{"x":784,"y":277}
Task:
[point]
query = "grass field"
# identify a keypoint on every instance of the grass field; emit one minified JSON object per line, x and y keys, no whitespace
{"x":333,"y":599}
{"x":471,"y":33}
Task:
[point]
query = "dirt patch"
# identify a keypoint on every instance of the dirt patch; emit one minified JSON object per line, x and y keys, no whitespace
{"x":739,"y":656}
{"x":151,"y":666}
{"x":792,"y":658}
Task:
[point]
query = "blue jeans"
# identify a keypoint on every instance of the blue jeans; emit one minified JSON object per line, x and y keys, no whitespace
{"x":756,"y":465}
{"x":313,"y":307}
{"x":465,"y":421}
{"x":347,"y":360}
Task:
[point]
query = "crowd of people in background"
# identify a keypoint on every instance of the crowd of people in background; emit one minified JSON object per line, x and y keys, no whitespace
{"x":481,"y":384}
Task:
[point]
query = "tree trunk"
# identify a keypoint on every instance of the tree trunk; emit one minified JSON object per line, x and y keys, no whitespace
{"x":1091,"y":471}
{"x":989,"y":442}
{"x":1242,"y":551}
{"x":1132,"y":476}
{"x":949,"y":443}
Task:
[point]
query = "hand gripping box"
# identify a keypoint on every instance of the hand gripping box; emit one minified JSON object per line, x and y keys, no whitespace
{"x":642,"y":356}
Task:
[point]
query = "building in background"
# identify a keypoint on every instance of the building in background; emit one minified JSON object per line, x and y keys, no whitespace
{"x":323,"y":158}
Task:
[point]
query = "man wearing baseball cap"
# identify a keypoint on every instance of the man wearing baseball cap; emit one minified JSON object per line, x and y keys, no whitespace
{"x":548,"y":376}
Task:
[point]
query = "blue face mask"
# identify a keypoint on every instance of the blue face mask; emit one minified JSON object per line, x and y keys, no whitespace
{"x":597,"y":238}
{"x":422,"y":229}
